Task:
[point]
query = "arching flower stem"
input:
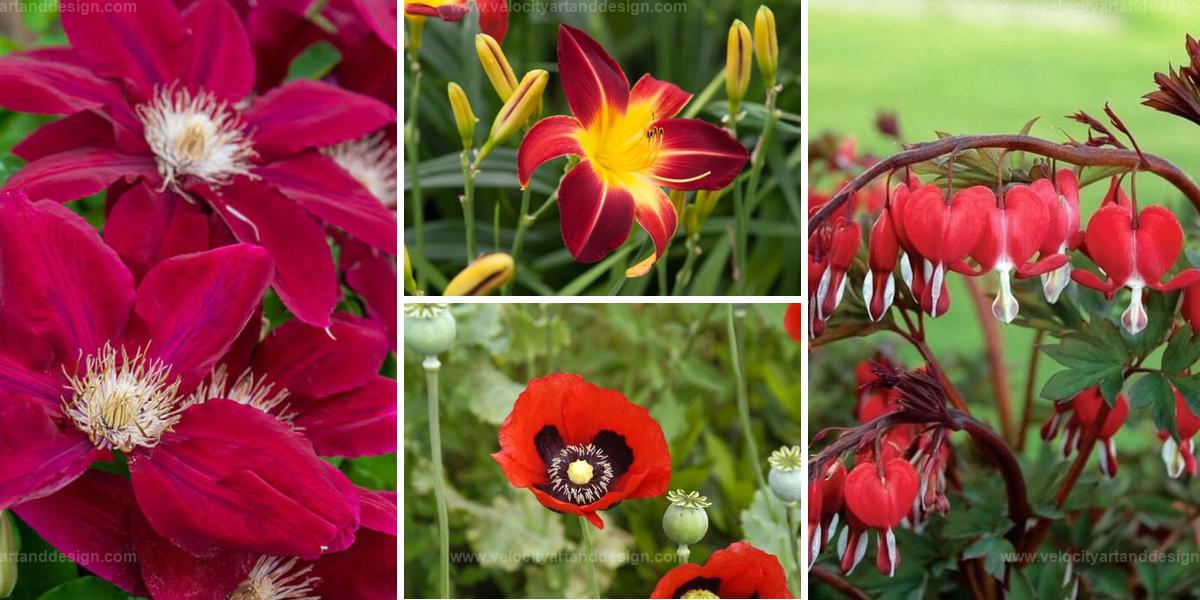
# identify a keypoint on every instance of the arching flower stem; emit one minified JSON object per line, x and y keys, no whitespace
{"x":432,"y":365}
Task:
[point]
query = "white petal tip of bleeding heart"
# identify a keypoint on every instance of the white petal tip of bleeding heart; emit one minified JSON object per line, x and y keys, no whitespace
{"x":1108,"y":458}
{"x":1173,"y":458}
{"x":814,"y":545}
{"x":893,"y":554}
{"x":833,"y":525}
{"x":1134,"y":319}
{"x":822,"y":291}
{"x":868,"y":292}
{"x":906,"y":272}
{"x":1054,"y":282}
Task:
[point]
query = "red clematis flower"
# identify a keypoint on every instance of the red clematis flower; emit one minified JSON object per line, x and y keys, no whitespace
{"x":879,"y":497}
{"x":942,"y":233}
{"x":493,"y":14}
{"x":177,"y":141}
{"x":1180,"y":455}
{"x":629,"y":146}
{"x":581,"y":448}
{"x":738,"y":571}
{"x":791,"y":320}
{"x":90,"y":364}
{"x":1062,"y":199}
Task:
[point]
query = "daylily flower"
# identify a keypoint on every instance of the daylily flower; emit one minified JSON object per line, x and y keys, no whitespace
{"x":737,"y":571}
{"x":581,"y":448}
{"x":629,"y":146}
{"x":879,"y":497}
{"x":90,"y":364}
{"x":791,"y":320}
{"x":152,"y":120}
{"x":942,"y":233}
{"x":493,"y":14}
{"x":1063,"y":234}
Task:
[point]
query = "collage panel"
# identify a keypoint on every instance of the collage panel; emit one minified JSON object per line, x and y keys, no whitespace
{"x":1002,"y":300}
{"x":602,"y":451}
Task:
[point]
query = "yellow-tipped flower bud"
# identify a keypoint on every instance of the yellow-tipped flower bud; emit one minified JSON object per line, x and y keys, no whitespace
{"x":519,"y":107}
{"x":482,"y":277}
{"x":766,"y":43}
{"x":737,"y":64}
{"x":496,"y":66}
{"x":8,"y":556}
{"x":410,"y":284}
{"x":416,"y":25}
{"x":464,"y":119}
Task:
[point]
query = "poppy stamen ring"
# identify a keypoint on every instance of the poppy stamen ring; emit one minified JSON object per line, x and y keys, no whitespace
{"x":580,"y":474}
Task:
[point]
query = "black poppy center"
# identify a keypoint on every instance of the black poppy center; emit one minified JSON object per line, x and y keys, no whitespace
{"x":699,"y":587}
{"x":582,"y":473}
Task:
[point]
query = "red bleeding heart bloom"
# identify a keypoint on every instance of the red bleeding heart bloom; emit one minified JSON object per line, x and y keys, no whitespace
{"x":738,"y":571}
{"x":829,"y":487}
{"x":942,"y":233}
{"x":185,"y":150}
{"x":1180,"y":455}
{"x":833,"y":248}
{"x":883,"y":250}
{"x":1081,"y":414}
{"x":493,"y":14}
{"x":1062,"y":201}
{"x":581,"y":448}
{"x":630,"y":146}
{"x":91,"y":363}
{"x":791,"y":320}
{"x":878,"y":497}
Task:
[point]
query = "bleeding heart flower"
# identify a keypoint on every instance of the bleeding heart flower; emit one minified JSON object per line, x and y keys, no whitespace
{"x":838,"y":245}
{"x":943,"y":234}
{"x":1190,"y":306}
{"x":1087,"y":409}
{"x":1063,"y":234}
{"x":829,"y":486}
{"x":883,"y":249}
{"x":1180,"y":455}
{"x":879,"y":497}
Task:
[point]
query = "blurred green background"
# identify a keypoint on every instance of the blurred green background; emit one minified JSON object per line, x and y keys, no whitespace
{"x":673,"y":359}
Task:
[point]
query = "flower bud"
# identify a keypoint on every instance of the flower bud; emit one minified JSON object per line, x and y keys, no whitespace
{"x":429,"y":329}
{"x":8,"y":556}
{"x":496,"y":66}
{"x":685,"y":520}
{"x":519,"y":107}
{"x":410,"y":283}
{"x":482,"y":276}
{"x":464,"y":119}
{"x":766,"y":43}
{"x":784,"y":477}
{"x":737,"y":64}
{"x":416,"y":25}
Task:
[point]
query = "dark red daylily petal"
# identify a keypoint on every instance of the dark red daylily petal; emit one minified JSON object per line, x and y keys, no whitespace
{"x":655,"y":212}
{"x":548,"y":139}
{"x":493,"y":19}
{"x":232,"y":477}
{"x":372,"y":275}
{"x":329,"y":192}
{"x":42,"y":451}
{"x":360,"y":422}
{"x":664,"y":99}
{"x":595,"y":217}
{"x":144,"y":46}
{"x":75,"y":294}
{"x":737,"y":571}
{"x":311,"y":114}
{"x":172,"y":572}
{"x":84,"y":128}
{"x":145,"y":227}
{"x":314,"y":363}
{"x":696,"y":155}
{"x":80,"y":172}
{"x":451,"y":11}
{"x":42,"y":82}
{"x":305,"y":278}
{"x":365,"y":571}
{"x":190,"y":308}
{"x":218,"y":58}
{"x":88,"y":521}
{"x":591,"y":79}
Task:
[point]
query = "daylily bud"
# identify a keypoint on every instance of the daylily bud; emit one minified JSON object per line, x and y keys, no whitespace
{"x":464,"y":119}
{"x":8,"y":556}
{"x":737,"y":65}
{"x":784,"y":478}
{"x":410,"y":283}
{"x":496,"y":66}
{"x":685,"y":520}
{"x":518,"y":108}
{"x":416,"y":25}
{"x":429,"y":329}
{"x":483,"y":276}
{"x":766,"y":43}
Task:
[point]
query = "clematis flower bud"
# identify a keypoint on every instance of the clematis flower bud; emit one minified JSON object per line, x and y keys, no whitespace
{"x":483,"y":276}
{"x":879,"y":497}
{"x":429,"y":329}
{"x":517,"y":109}
{"x":1180,"y":455}
{"x":464,"y":119}
{"x":766,"y":43}
{"x":685,"y":520}
{"x":784,"y":478}
{"x":8,"y":556}
{"x":737,"y":65}
{"x":495,"y":64}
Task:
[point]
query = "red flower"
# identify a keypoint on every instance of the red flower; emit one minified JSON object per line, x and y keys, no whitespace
{"x":738,"y":571}
{"x":942,"y":232}
{"x":1081,"y":414}
{"x":1180,"y":455}
{"x":493,"y":14}
{"x":1063,"y":235}
{"x":581,"y":448}
{"x":878,"y":497}
{"x":630,"y":147}
{"x":791,"y":321}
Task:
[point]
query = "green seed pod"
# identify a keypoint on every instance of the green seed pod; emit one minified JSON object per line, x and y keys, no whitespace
{"x":8,"y":556}
{"x":784,"y":477}
{"x":429,"y":329}
{"x":685,"y":520}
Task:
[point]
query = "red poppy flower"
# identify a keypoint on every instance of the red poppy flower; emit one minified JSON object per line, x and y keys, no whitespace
{"x":73,"y":323}
{"x":177,"y":141}
{"x":791,"y":321}
{"x":493,"y":14}
{"x":738,"y":571}
{"x":581,"y":448}
{"x":629,"y":146}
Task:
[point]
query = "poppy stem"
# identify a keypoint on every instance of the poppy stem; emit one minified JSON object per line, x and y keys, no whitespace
{"x":432,"y":365}
{"x":587,"y":557}
{"x":734,"y":326}
{"x":793,"y":523}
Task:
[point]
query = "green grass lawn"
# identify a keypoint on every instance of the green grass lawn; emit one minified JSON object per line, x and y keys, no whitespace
{"x":975,"y":67}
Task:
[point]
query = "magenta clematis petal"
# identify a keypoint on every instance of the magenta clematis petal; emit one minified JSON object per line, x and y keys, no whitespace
{"x":42,"y":82}
{"x":333,"y":195}
{"x":145,"y":227}
{"x":311,"y":114}
{"x":172,"y":572}
{"x":305,"y":277}
{"x":368,"y":67}
{"x":80,"y":172}
{"x":89,"y":521}
{"x":232,"y":477}
{"x":42,"y":451}
{"x":378,"y":510}
{"x":58,"y":277}
{"x":380,"y":15}
{"x":366,"y":571}
{"x":190,"y":308}
{"x":310,"y":362}
{"x":237,"y":359}
{"x":219,"y":58}
{"x":279,"y":33}
{"x":372,"y":275}
{"x":84,"y":128}
{"x":360,"y":422}
{"x":145,"y":46}
{"x":27,"y":363}
{"x":595,"y":217}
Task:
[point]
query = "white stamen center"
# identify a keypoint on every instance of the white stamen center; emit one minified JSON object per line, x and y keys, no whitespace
{"x":123,"y":404}
{"x":247,"y":389}
{"x":195,"y":135}
{"x":274,"y":578}
{"x":372,"y":161}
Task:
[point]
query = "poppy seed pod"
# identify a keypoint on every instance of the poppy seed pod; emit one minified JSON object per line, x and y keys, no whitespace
{"x":464,"y":119}
{"x":518,"y":108}
{"x":784,"y":478}
{"x":737,"y":64}
{"x":483,"y":276}
{"x":685,"y":520}
{"x":429,"y":329}
{"x":495,"y":64}
{"x":766,"y":43}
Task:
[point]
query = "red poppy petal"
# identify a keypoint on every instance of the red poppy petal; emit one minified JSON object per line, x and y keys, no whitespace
{"x":80,"y":172}
{"x":172,"y":572}
{"x":747,"y":572}
{"x":540,"y":405}
{"x":573,"y":509}
{"x":662,"y":98}
{"x":88,"y":521}
{"x":674,"y":579}
{"x":42,"y":454}
{"x":144,"y":46}
{"x":520,"y":474}
{"x":791,"y":321}
{"x":360,"y":422}
{"x":696,"y":155}
{"x":146,"y":227}
{"x":316,"y":363}
{"x":595,"y":216}
{"x":191,"y":308}
{"x":591,"y":79}
{"x":41,"y":82}
{"x":218,"y":58}
{"x":312,"y":114}
{"x":548,"y":139}
{"x":655,"y":212}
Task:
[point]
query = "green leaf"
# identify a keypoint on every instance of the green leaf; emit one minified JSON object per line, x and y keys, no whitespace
{"x":1190,"y":388}
{"x":1182,"y":352}
{"x":995,"y":551}
{"x":489,"y":393}
{"x":92,"y":588}
{"x":1066,"y":384}
{"x":1147,"y":390}
{"x":765,"y":527}
{"x":315,"y":62}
